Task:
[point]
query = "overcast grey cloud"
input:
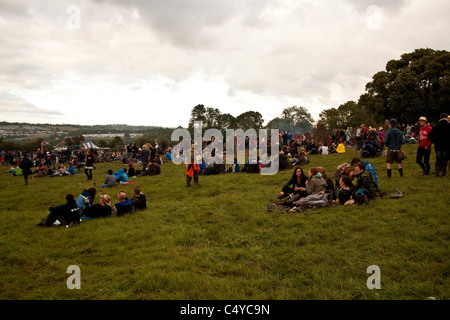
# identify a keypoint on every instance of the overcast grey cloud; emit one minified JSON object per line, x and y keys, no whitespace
{"x":150,"y":62}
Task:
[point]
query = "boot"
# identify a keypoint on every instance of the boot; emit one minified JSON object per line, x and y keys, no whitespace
{"x":438,"y":170}
{"x":389,"y":173}
{"x":400,"y":171}
{"x":444,"y":171}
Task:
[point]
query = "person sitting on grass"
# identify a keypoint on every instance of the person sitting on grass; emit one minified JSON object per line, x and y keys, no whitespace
{"x":342,"y":170}
{"x":124,"y":205}
{"x":66,"y":214}
{"x":330,"y":185}
{"x":368,"y":167}
{"x":345,"y":191}
{"x":110,"y":180}
{"x":139,"y":200}
{"x":365,"y":189}
{"x":316,"y":187}
{"x":86,"y":199}
{"x":99,"y":210}
{"x":295,"y":188}
{"x":71,"y":169}
{"x":121,"y":176}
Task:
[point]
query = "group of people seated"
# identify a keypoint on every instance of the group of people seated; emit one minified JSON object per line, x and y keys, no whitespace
{"x":316,"y":188}
{"x":83,"y":207}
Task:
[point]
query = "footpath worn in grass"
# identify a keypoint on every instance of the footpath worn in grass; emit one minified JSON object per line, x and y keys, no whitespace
{"x":216,"y":241}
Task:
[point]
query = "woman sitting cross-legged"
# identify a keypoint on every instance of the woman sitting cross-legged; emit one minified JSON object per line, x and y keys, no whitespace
{"x":295,"y":188}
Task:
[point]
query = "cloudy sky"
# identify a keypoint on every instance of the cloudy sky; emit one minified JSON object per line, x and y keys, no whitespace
{"x":148,"y":62}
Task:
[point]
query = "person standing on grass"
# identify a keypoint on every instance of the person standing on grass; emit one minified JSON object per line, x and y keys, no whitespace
{"x":192,"y":170}
{"x":26,"y":164}
{"x":393,"y":140}
{"x":89,"y":164}
{"x":424,"y":150}
{"x":440,"y":136}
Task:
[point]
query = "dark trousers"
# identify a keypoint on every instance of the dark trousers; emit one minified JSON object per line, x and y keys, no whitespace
{"x":359,"y":143}
{"x":441,"y":160}
{"x":189,"y":179}
{"x":424,"y":154}
{"x":88,"y":173}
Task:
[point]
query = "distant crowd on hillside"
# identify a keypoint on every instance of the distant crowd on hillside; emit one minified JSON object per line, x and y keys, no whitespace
{"x":355,"y":182}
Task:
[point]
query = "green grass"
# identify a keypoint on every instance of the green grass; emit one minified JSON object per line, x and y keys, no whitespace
{"x":216,"y":241}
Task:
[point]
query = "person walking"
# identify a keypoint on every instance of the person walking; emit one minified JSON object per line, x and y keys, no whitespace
{"x":440,"y":137}
{"x":393,"y":141}
{"x":89,"y":164}
{"x":424,"y":150}
{"x":26,"y":164}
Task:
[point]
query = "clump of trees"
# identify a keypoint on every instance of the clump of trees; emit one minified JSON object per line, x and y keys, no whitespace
{"x":417,"y":84}
{"x":294,"y":119}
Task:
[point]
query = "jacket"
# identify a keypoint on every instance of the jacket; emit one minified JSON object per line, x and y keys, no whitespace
{"x":81,"y":200}
{"x":365,"y":181}
{"x":125,"y":206}
{"x":391,"y":137}
{"x":440,"y":135}
{"x":190,"y":168}
{"x":424,"y":137}
{"x":316,"y":184}
{"x":140,"y":203}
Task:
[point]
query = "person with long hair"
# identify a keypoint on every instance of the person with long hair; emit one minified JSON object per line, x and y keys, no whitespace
{"x":295,"y":188}
{"x":316,"y":186}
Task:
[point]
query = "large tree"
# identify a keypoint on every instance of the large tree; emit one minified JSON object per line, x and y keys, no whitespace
{"x":249,"y":120}
{"x":417,"y":84}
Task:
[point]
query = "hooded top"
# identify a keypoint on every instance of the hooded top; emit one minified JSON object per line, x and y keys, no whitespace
{"x":316,"y":184}
{"x":390,"y":139}
{"x":81,"y":199}
{"x":121,"y":175}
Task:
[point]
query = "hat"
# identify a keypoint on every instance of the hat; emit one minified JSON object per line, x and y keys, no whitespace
{"x":106,"y":199}
{"x":423,"y":119}
{"x":343,"y":166}
{"x":381,"y":128}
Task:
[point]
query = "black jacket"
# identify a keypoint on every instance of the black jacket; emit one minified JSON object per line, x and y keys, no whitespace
{"x":140,"y":203}
{"x":440,"y":135}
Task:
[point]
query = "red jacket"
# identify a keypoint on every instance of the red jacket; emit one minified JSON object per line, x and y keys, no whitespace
{"x":424,"y":137}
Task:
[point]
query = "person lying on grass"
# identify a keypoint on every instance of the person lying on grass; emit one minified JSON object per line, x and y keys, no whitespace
{"x":66,"y":214}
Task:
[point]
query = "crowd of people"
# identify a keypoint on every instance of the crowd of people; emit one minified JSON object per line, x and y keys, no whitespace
{"x":360,"y":184}
{"x":74,"y":210}
{"x":354,"y":183}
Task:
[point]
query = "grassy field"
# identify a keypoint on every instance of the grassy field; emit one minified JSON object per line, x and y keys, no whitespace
{"x":217,"y":241}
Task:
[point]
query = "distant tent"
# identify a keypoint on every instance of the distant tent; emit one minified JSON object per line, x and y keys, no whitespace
{"x":89,"y":145}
